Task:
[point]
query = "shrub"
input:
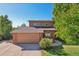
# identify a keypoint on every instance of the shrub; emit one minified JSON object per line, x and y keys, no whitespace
{"x":7,"y":36}
{"x":45,"y":43}
{"x":59,"y":39}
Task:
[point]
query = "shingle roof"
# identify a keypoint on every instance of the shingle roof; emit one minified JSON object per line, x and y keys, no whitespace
{"x":27,"y":30}
{"x":30,"y":30}
{"x":47,"y":29}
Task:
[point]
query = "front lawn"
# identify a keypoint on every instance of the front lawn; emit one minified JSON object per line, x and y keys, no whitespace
{"x":68,"y":50}
{"x":72,"y":50}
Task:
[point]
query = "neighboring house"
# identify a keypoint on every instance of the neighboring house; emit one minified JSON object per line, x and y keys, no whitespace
{"x":35,"y":31}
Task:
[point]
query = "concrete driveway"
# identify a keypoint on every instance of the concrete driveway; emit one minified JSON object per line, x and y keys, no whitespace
{"x":9,"y":49}
{"x":29,"y":46}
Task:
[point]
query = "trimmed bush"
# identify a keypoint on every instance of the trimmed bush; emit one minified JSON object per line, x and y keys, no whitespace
{"x":45,"y":43}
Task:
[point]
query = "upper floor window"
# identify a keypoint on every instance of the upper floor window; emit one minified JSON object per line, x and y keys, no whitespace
{"x":36,"y":24}
{"x":42,"y":25}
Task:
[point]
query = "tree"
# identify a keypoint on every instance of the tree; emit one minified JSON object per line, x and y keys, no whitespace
{"x":5,"y":27}
{"x":66,"y":18}
{"x":23,"y":25}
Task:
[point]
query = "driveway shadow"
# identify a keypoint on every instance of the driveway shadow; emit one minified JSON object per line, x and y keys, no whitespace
{"x":29,"y":46}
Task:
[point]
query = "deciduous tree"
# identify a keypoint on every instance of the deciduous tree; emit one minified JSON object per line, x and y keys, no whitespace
{"x":67,"y":22}
{"x":5,"y":27}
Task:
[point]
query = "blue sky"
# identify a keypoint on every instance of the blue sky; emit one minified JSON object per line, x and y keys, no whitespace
{"x":21,"y":13}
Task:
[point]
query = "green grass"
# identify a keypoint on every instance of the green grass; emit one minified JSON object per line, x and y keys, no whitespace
{"x":72,"y":50}
{"x":68,"y":50}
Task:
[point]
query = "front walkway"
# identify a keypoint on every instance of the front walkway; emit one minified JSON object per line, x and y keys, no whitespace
{"x":9,"y":49}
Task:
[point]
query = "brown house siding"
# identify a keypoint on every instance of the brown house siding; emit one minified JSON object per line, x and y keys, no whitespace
{"x":14,"y":38}
{"x":27,"y":37}
{"x":53,"y":34}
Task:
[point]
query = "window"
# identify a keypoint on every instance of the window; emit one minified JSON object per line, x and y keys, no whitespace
{"x":36,"y":24}
{"x":47,"y":34}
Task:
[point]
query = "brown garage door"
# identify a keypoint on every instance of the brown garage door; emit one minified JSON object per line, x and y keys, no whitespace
{"x":27,"y":37}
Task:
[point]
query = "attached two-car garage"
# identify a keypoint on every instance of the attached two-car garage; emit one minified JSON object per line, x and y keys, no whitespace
{"x":27,"y":37}
{"x":30,"y":34}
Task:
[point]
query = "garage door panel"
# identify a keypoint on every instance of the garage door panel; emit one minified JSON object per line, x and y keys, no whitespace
{"x":28,"y":38}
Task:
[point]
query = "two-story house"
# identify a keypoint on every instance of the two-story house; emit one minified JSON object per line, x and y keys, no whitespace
{"x":37,"y":29}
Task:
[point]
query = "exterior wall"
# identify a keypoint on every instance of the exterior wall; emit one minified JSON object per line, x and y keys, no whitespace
{"x":14,"y":38}
{"x":53,"y":35}
{"x":27,"y":37}
{"x":50,"y":23}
